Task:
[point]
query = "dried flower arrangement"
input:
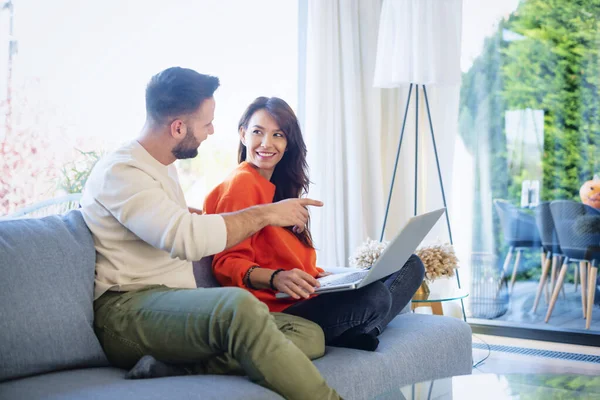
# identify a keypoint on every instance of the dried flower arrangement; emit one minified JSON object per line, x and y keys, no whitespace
{"x":439,"y":260}
{"x":367,"y":253}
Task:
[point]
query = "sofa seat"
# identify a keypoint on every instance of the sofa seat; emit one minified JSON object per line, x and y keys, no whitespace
{"x":109,"y":384}
{"x":414,"y":347}
{"x":48,"y":349}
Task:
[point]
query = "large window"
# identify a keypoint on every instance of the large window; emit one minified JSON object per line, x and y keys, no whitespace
{"x":530,"y":136}
{"x":74,"y":86}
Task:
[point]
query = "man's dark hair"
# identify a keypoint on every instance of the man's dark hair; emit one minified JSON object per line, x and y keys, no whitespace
{"x":177,"y":91}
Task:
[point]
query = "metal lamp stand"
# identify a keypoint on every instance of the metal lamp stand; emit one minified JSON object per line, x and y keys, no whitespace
{"x":387,"y":209}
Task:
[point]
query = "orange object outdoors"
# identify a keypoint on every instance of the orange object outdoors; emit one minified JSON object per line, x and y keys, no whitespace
{"x":590,"y":192}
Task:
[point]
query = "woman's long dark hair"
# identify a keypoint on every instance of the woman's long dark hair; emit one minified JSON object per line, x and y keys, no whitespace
{"x":290,"y":176}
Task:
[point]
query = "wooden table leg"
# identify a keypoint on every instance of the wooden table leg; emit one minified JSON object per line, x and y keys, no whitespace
{"x":436,"y":308}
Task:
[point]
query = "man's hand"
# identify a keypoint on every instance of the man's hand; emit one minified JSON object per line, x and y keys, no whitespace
{"x":296,"y":283}
{"x":195,"y":210}
{"x":291,"y":212}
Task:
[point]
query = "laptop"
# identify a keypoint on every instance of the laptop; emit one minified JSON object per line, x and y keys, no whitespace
{"x":391,"y":260}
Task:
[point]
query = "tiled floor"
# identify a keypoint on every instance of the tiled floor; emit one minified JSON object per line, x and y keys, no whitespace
{"x":508,"y":363}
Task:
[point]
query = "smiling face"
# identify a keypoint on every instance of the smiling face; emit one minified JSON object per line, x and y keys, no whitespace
{"x":265,"y":142}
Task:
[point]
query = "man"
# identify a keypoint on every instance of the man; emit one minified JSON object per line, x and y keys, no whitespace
{"x":146,"y":300}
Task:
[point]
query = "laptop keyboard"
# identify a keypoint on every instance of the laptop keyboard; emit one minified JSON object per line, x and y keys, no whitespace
{"x":332,"y":280}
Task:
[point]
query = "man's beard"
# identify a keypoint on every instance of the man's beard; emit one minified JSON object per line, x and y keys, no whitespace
{"x":187,"y":148}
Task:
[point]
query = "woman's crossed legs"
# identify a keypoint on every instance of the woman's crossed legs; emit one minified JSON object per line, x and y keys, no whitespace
{"x":355,"y":318}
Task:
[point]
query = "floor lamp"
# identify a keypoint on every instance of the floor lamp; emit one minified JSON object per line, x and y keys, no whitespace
{"x":419,"y":46}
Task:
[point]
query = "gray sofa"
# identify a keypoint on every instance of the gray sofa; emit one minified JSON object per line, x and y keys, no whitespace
{"x":48,"y":349}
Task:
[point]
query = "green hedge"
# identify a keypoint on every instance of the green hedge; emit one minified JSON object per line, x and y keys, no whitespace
{"x":553,"y":68}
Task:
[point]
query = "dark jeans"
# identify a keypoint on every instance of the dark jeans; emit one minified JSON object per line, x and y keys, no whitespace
{"x":366,"y":310}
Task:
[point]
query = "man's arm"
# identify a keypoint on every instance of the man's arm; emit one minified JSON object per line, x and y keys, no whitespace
{"x":245,"y":223}
{"x":146,"y":210}
{"x":138,"y":201}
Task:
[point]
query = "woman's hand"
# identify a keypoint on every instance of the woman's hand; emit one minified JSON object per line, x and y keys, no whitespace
{"x":295,"y":283}
{"x":324,"y":273}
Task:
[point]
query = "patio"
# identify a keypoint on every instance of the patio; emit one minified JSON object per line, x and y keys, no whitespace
{"x":567,"y":313}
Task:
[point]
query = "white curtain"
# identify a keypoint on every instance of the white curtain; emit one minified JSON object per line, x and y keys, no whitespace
{"x":352,"y":131}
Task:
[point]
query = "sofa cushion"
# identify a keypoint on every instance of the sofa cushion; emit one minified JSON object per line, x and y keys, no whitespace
{"x":46,"y":315}
{"x":413,"y":348}
{"x":110,"y":384}
{"x":203,"y":273}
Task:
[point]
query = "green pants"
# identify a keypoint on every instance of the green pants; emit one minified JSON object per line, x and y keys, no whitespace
{"x":218,"y":331}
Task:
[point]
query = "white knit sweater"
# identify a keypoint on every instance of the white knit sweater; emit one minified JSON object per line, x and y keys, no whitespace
{"x":142,"y":229}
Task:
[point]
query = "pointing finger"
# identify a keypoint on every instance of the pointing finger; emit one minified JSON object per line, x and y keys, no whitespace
{"x":311,"y":202}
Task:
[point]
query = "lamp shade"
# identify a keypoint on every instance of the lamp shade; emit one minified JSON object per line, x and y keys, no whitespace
{"x":418,"y":42}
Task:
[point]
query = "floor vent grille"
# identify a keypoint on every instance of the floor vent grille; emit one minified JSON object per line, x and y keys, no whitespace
{"x":561,"y":355}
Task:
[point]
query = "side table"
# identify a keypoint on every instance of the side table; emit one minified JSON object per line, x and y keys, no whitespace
{"x":437,"y":295}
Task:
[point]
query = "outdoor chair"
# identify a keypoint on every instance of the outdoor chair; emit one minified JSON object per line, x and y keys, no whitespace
{"x":520,"y":232}
{"x":578,"y":229}
{"x":552,"y":252}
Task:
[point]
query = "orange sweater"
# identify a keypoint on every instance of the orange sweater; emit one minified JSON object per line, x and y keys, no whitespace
{"x":272,"y":247}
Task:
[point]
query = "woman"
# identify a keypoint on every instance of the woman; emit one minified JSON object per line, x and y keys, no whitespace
{"x":272,"y":167}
